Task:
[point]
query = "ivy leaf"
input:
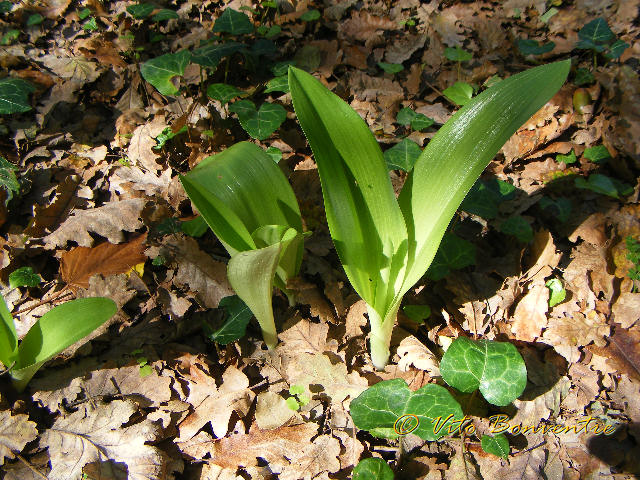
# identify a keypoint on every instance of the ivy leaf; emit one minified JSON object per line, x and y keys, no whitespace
{"x":496,"y":368}
{"x":594,"y":33}
{"x":498,"y":445}
{"x":532,"y":47}
{"x":35,"y":19}
{"x":453,"y":253}
{"x":141,"y":10}
{"x":236,"y":318}
{"x":561,"y":207}
{"x":417,"y":313}
{"x":372,"y":469}
{"x":616,"y":49}
{"x":405,"y":115}
{"x":421,"y":122}
{"x":210,"y":55}
{"x":275,"y":153}
{"x":518,"y":227}
{"x":557,"y":293}
{"x":460,"y":93}
{"x":597,"y":154}
{"x":568,"y":159}
{"x":5,"y":6}
{"x":391,"y":68}
{"x":485,"y":196}
{"x":583,"y":77}
{"x":14,"y":95}
{"x":381,"y":406}
{"x":260,"y":124}
{"x":223,"y":92}
{"x":24,"y":277}
{"x":403,"y":155}
{"x":457,"y":54}
{"x":233,"y":22}
{"x":164,"y":14}
{"x":160,"y":70}
{"x":278,"y":84}
{"x":8,"y":179}
{"x":605,"y":185}
{"x":310,"y":15}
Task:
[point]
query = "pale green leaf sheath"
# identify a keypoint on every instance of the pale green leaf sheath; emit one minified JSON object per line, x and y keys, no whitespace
{"x":386,"y":245}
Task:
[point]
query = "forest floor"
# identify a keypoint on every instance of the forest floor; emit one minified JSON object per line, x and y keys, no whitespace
{"x":543,"y":252}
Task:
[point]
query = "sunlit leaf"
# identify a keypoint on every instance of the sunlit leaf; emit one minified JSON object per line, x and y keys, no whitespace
{"x":460,"y":93}
{"x":24,"y":277}
{"x":160,"y":70}
{"x":557,"y":293}
{"x":372,"y":468}
{"x":497,"y":445}
{"x":141,"y":10}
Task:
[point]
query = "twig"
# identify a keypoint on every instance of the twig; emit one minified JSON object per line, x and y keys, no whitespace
{"x":43,"y":302}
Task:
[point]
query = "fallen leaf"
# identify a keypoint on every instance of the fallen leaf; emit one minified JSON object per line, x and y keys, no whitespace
{"x":356,"y":319}
{"x":530,"y":315}
{"x":626,"y":309}
{"x":543,"y":255}
{"x":591,"y":230}
{"x":303,"y":336}
{"x":272,"y":411}
{"x":143,"y":139}
{"x":46,"y":218}
{"x":623,"y":351}
{"x":566,"y":334}
{"x":313,"y":459}
{"x":81,"y":263}
{"x":72,"y":68}
{"x":15,"y":432}
{"x":413,"y":352}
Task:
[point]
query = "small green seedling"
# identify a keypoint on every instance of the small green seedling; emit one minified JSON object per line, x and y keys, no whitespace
{"x":598,"y":37}
{"x":557,"y":293}
{"x":567,"y":159}
{"x":298,"y":398}
{"x":57,"y":329}
{"x":166,"y":135}
{"x":497,"y":445}
{"x":633,"y":246}
{"x":460,"y":93}
{"x":391,"y":68}
{"x":24,"y":277}
{"x":597,"y":154}
{"x":248,"y":203}
{"x":457,"y":55}
{"x":387,"y":244}
{"x":372,"y":469}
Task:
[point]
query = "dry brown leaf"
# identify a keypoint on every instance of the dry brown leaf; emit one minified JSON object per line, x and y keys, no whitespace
{"x":96,"y":435}
{"x":566,"y":334}
{"x":626,"y":309}
{"x":125,"y":179}
{"x":65,"y":386}
{"x":108,"y":221}
{"x":172,"y":304}
{"x":356,"y":319}
{"x":623,"y":351}
{"x":591,"y":230}
{"x":308,"y":294}
{"x":15,"y":432}
{"x":313,"y":459}
{"x":530,"y":315}
{"x":218,"y":404}
{"x":46,"y":218}
{"x":543,"y":255}
{"x":404,"y":47}
{"x":365,"y":27}
{"x":81,"y":263}
{"x":272,"y":411}
{"x":413,"y":352}
{"x":588,"y":271}
{"x":144,"y":138}
{"x":53,"y":9}
{"x":449,"y":26}
{"x":277,"y":446}
{"x":76,"y":69}
{"x":303,"y":336}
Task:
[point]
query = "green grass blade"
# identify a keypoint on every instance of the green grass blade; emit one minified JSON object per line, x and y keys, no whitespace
{"x":363,"y":215}
{"x":460,"y":151}
{"x":8,"y":336}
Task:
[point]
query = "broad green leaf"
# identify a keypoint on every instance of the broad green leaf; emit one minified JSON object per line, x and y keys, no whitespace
{"x":278,"y":84}
{"x":165,"y":14}
{"x":8,"y":179}
{"x":5,"y":6}
{"x":364,"y":218}
{"x":260,"y":124}
{"x":485,"y":196}
{"x":518,"y":227}
{"x":310,"y":15}
{"x":561,"y":207}
{"x":457,"y":54}
{"x":296,"y":389}
{"x":281,"y":68}
{"x":403,"y":155}
{"x":599,"y":183}
{"x":583,"y":77}
{"x":373,"y":468}
{"x":84,"y":13}
{"x":496,"y":368}
{"x":616,"y":49}
{"x":14,"y":95}
{"x":236,"y":318}
{"x":57,"y":329}
{"x":417,"y":313}
{"x":597,"y":154}
{"x":454,"y":253}
{"x":160,"y":70}
{"x":263,"y":47}
{"x":222,"y":92}
{"x":497,"y":445}
{"x":391,"y":68}
{"x":293,"y":404}
{"x":90,"y":25}
{"x":460,"y":151}
{"x":24,"y":277}
{"x":546,"y":16}
{"x":233,"y":22}
{"x":596,"y":32}
{"x":405,"y":115}
{"x":421,"y":122}
{"x":239,"y":190}
{"x":251,"y":275}
{"x":8,"y":336}
{"x":141,"y":10}
{"x":568,"y":159}
{"x":195,"y":227}
{"x":275,"y":154}
{"x":557,"y":293}
{"x":210,"y":55}
{"x":34,"y":19}
{"x":532,"y":47}
{"x":460,"y":93}
{"x":383,"y":406}
{"x":10,"y":37}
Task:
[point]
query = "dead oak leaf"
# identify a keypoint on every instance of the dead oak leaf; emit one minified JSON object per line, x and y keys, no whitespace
{"x":81,"y":263}
{"x":15,"y":432}
{"x":626,"y":310}
{"x":303,"y":336}
{"x":623,"y":351}
{"x":143,"y":140}
{"x":97,"y":436}
{"x":272,"y":411}
{"x":108,"y":221}
{"x":566,"y":334}
{"x":72,"y":68}
{"x":413,"y":352}
{"x":217,"y":406}
{"x":313,"y":459}
{"x":530,"y":315}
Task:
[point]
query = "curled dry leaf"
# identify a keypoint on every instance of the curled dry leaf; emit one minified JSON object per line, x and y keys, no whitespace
{"x":15,"y":432}
{"x":413,"y":352}
{"x":626,"y":310}
{"x":530,"y":315}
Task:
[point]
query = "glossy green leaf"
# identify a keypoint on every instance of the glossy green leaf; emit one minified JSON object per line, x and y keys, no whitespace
{"x":417,"y":313}
{"x":557,"y":293}
{"x":568,"y":159}
{"x":8,"y":335}
{"x":90,"y":25}
{"x":8,"y":179}
{"x":278,"y":84}
{"x":391,"y":68}
{"x":57,"y":329}
{"x":233,"y":22}
{"x":497,"y":445}
{"x":222,"y":92}
{"x":310,"y":15}
{"x":372,"y":469}
{"x":405,"y":115}
{"x":141,"y":10}
{"x":160,"y":70}
{"x":597,"y":154}
{"x":485,"y":196}
{"x":421,"y":122}
{"x":532,"y":47}
{"x":604,"y":185}
{"x":457,"y":54}
{"x":275,"y":154}
{"x":454,"y":253}
{"x":14,"y":95}
{"x":496,"y":368}
{"x":236,"y":318}
{"x":518,"y":227}
{"x":616,"y":49}
{"x":210,"y":55}
{"x":460,"y":93}
{"x":260,"y":124}
{"x":10,"y":37}
{"x":403,"y":155}
{"x":165,"y":14}
{"x":84,"y":13}
{"x":381,"y":407}
{"x":24,"y":277}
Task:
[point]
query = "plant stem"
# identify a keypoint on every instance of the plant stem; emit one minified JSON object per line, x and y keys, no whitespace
{"x":380,"y":339}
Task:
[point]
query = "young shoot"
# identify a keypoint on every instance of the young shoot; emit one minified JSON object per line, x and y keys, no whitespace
{"x":386,"y":244}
